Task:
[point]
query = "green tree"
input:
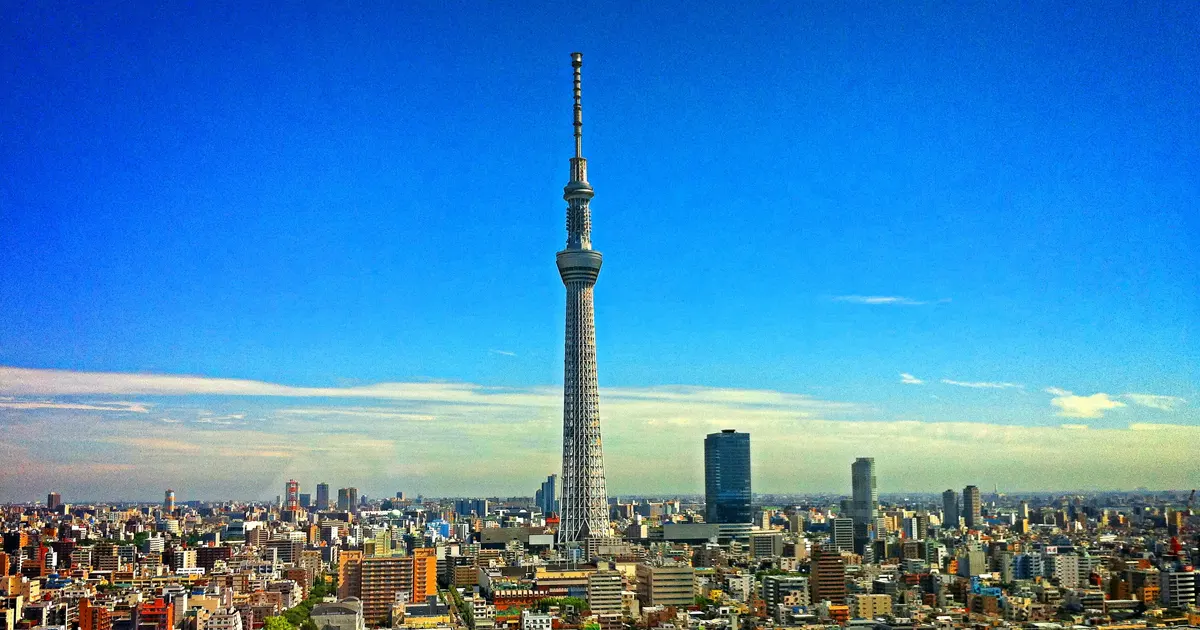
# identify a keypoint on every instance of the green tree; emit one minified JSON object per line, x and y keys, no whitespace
{"x":277,"y":623}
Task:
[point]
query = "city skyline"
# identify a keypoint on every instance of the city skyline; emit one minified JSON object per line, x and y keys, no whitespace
{"x":979,"y":249}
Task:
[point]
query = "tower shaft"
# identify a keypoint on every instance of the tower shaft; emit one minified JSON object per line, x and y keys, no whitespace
{"x":584,"y":500}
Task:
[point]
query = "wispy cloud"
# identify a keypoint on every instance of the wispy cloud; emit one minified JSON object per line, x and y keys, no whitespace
{"x":503,"y":353}
{"x":1154,"y":401}
{"x":892,"y":300}
{"x":909,"y":379}
{"x":37,"y":382}
{"x":1072,"y":406}
{"x":49,"y":404}
{"x":982,"y":384}
{"x":460,"y":438}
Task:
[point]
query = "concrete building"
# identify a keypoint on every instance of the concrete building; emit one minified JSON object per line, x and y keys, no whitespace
{"x":1066,"y":570}
{"x":777,"y":588}
{"x":604,"y":591}
{"x":344,"y":615}
{"x":841,"y":534}
{"x":1177,"y":588}
{"x":385,"y":581}
{"x":223,"y":619}
{"x":668,"y":585}
{"x":972,"y":507}
{"x":972,"y":562}
{"x":322,"y":497}
{"x":531,"y":620}
{"x":828,"y":577}
{"x":766,"y":544}
{"x":870,"y":606}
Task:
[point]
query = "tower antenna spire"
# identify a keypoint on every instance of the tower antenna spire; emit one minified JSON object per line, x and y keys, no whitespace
{"x":577,"y":63}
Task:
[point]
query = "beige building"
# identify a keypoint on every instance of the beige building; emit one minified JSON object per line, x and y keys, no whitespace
{"x":604,"y":592}
{"x":870,"y":606}
{"x":669,"y":585}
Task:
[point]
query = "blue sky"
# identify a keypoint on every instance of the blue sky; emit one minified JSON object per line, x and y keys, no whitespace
{"x":330,"y":198}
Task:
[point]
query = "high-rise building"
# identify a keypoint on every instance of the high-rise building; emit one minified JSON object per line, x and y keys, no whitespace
{"x":950,"y":517}
{"x":291,"y":495}
{"x":305,"y":500}
{"x":727,"y":482}
{"x":424,"y":567}
{"x":53,"y":500}
{"x":347,"y":500}
{"x":584,"y":502}
{"x":828,"y":577}
{"x":384,"y":580}
{"x":841,"y":533}
{"x":169,"y":500}
{"x":864,"y":501}
{"x":471,"y":507}
{"x":604,"y":591}
{"x":322,"y":496}
{"x":546,"y":496}
{"x":972,"y":507}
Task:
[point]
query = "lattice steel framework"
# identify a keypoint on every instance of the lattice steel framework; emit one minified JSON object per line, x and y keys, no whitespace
{"x":584,"y":498}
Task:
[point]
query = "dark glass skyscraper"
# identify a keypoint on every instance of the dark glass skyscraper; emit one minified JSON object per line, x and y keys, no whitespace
{"x":546,"y":497}
{"x":727,"y":478}
{"x":322,"y":496}
{"x":950,"y":512}
{"x":864,"y":502}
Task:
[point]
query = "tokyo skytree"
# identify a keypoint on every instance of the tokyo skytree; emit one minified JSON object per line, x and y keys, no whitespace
{"x":584,"y":499}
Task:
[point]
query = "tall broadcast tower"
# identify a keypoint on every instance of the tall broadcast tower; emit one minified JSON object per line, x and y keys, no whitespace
{"x":584,"y":502}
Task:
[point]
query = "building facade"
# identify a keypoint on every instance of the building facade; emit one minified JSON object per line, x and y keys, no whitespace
{"x":950,"y":515}
{"x":972,"y":507}
{"x":727,"y":481}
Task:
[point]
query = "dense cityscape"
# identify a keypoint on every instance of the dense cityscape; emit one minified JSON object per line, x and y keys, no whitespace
{"x":729,"y":559}
{"x":571,"y":556}
{"x":570,"y":553}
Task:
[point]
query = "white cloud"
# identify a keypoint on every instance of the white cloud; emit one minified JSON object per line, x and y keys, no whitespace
{"x":894,"y":300}
{"x":10,"y":403}
{"x":36,"y":382}
{"x":503,"y":352}
{"x":1162,"y":403}
{"x":982,"y":384}
{"x":1075,"y":427}
{"x":456,"y":439}
{"x":1072,"y":406}
{"x":909,"y":379}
